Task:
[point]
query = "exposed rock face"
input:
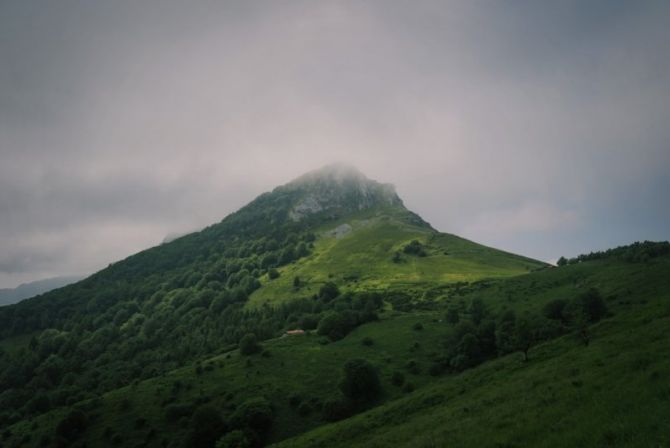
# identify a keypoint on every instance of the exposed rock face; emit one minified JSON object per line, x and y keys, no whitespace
{"x":339,"y":187}
{"x":340,"y":231}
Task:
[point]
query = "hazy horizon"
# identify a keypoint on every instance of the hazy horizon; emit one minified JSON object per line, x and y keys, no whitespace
{"x":537,"y":128}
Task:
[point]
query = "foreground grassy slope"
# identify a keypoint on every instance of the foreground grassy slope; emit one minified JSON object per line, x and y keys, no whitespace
{"x":505,"y":401}
{"x":361,"y":257}
{"x":613,"y":392}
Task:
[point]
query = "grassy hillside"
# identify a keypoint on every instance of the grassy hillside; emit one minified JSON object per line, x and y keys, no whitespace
{"x":613,"y":392}
{"x":566,"y":389}
{"x":358,"y":253}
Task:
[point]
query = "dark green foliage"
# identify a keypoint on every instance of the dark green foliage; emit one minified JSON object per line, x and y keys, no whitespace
{"x":273,"y":274}
{"x":334,"y":409}
{"x":235,"y":439}
{"x":360,"y":381}
{"x":452,"y":315}
{"x":506,"y":333}
{"x":153,"y":311}
{"x":414,"y":248}
{"x":296,"y":282}
{"x":294,"y":400}
{"x":304,"y":408}
{"x":633,"y":253}
{"x":525,"y":335}
{"x":467,"y":353}
{"x":477,"y":310}
{"x":593,"y":305}
{"x":72,"y":425}
{"x":328,"y":291}
{"x":206,"y":427}
{"x":255,"y":414}
{"x":417,"y":326}
{"x":367,"y":341}
{"x":413,"y":367}
{"x":398,"y":378}
{"x":337,"y":324}
{"x":562,"y":261}
{"x":555,"y":309}
{"x":249,"y":344}
{"x":174,"y":412}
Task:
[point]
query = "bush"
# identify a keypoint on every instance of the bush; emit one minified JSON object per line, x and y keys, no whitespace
{"x":273,"y":274}
{"x":328,"y":291}
{"x":255,"y":414}
{"x":360,"y":381}
{"x":593,"y":305}
{"x":249,"y":345}
{"x":235,"y":439}
{"x":336,"y":325}
{"x":414,"y":248}
{"x":417,"y":326}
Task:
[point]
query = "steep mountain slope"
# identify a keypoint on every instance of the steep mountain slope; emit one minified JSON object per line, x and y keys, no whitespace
{"x":169,"y":305}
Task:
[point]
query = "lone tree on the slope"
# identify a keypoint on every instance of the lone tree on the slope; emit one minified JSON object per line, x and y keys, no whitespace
{"x":360,"y":381}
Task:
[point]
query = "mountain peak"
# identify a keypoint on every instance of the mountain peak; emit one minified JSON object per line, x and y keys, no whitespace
{"x":338,"y":186}
{"x":337,"y":172}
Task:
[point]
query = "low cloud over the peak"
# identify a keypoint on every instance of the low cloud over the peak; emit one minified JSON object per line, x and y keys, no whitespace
{"x":540,"y":129}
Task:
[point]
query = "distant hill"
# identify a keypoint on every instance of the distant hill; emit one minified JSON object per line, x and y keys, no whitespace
{"x":9,"y":296}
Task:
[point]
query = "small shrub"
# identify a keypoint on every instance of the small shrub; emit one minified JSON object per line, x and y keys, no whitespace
{"x":255,"y":414}
{"x":360,"y":381}
{"x":367,"y":341}
{"x":249,"y":345}
{"x":417,"y":326}
{"x":235,"y":439}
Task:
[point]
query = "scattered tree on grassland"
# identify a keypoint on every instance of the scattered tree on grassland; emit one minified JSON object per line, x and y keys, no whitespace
{"x":360,"y":381}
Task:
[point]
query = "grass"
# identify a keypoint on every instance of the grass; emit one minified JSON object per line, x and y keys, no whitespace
{"x":611,"y":393}
{"x":363,"y":259}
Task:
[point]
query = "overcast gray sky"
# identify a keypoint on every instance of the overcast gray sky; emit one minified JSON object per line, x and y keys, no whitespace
{"x":539,"y":127}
